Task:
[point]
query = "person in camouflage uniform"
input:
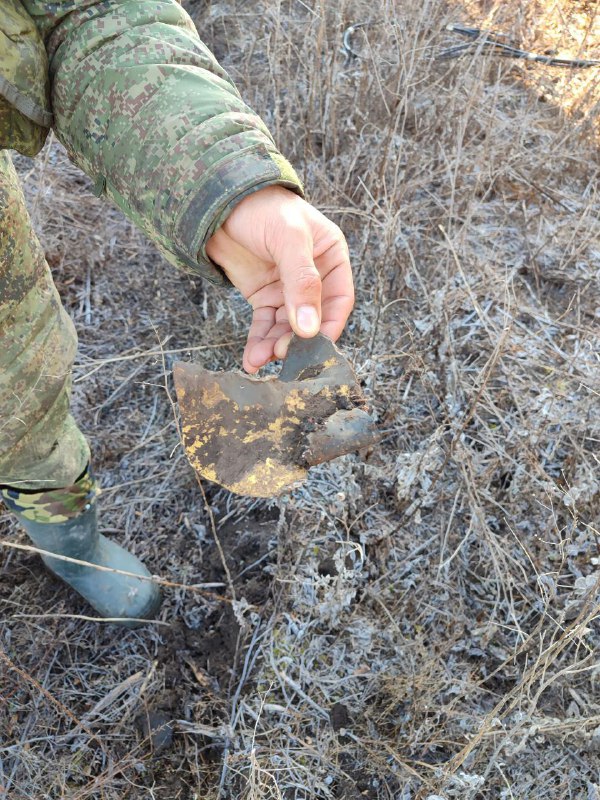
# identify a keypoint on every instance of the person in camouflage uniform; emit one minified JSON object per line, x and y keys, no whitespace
{"x":143,"y":107}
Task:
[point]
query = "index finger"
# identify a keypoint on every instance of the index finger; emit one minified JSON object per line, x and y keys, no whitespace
{"x":337,"y":298}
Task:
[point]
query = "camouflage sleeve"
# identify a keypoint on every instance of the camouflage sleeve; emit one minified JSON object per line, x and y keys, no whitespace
{"x":143,"y":107}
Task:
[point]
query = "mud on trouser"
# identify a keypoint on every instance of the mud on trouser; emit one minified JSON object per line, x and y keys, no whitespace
{"x":40,"y":444}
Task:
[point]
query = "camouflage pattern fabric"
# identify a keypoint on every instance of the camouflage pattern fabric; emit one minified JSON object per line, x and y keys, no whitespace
{"x":24,"y":85}
{"x":143,"y":107}
{"x":53,"y":505}
{"x":40,"y":444}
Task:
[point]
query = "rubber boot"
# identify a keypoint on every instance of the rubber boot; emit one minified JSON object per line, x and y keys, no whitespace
{"x":64,"y":521}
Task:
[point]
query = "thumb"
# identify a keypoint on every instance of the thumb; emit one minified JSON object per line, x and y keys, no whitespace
{"x":301,"y":290}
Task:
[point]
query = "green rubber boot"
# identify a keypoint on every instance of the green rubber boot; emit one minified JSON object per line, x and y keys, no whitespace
{"x":64,"y":521}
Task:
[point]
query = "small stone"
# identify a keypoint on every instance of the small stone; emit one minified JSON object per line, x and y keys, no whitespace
{"x":339,"y":717}
{"x":157,"y":728}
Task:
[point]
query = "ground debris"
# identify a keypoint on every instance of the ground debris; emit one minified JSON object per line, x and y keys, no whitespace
{"x":441,"y":589}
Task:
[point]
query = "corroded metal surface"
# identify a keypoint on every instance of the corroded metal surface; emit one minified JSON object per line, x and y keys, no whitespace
{"x":259,"y":436}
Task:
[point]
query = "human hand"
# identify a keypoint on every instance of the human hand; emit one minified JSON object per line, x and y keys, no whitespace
{"x":292,"y":265}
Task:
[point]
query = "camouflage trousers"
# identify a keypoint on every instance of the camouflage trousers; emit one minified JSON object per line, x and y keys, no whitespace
{"x":40,"y":443}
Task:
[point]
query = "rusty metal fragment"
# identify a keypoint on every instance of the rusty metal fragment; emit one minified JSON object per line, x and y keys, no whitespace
{"x":259,"y":436}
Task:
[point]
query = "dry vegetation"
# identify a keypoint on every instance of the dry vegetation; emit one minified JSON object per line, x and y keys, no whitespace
{"x":419,"y":623}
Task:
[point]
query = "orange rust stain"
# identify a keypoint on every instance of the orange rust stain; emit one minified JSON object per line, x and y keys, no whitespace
{"x":294,"y":401}
{"x":268,"y":478}
{"x":212,"y":395}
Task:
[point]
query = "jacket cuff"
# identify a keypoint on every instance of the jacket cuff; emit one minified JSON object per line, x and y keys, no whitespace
{"x":228,"y":182}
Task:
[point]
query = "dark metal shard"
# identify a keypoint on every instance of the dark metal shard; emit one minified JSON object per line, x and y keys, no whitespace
{"x":258,"y":436}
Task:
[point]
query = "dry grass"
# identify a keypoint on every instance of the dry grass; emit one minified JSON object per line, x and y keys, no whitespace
{"x":431,"y":629}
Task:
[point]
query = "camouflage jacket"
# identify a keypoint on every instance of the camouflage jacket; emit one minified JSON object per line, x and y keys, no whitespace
{"x":25,"y":115}
{"x":143,"y":107}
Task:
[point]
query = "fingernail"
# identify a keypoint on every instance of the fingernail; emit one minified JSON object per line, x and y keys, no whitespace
{"x":308,"y":320}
